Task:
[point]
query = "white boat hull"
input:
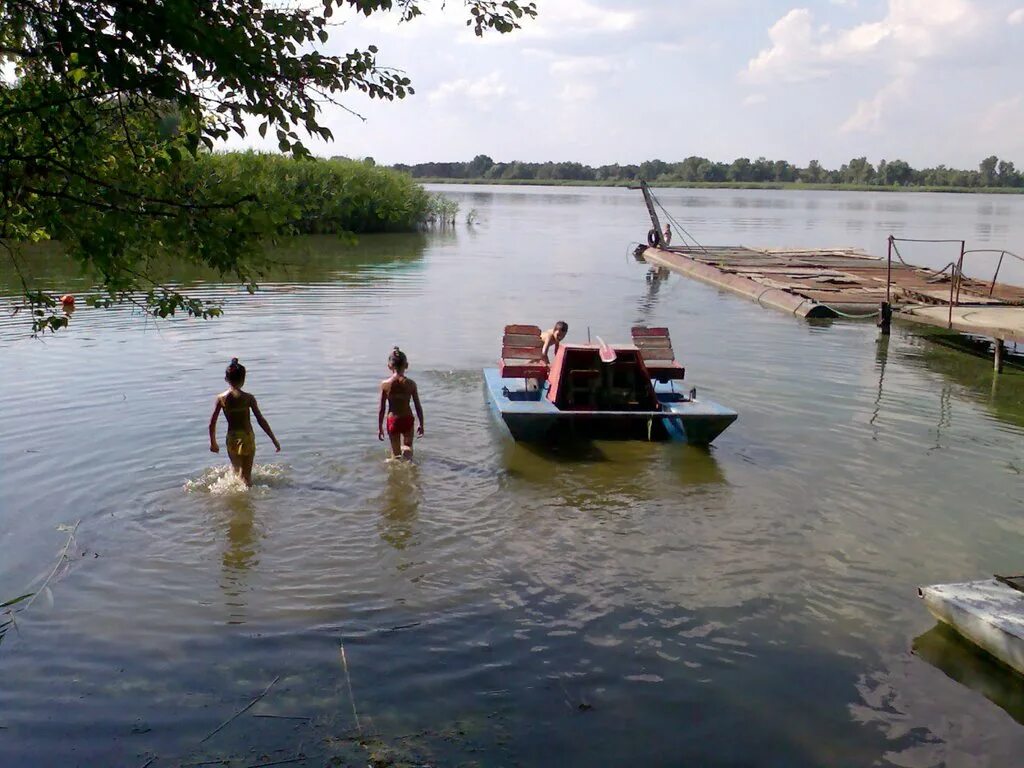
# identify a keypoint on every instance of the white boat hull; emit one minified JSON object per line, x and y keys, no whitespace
{"x":988,"y":613}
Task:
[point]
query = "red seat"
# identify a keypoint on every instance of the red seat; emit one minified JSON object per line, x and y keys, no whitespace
{"x":521,"y":353}
{"x":655,"y":347}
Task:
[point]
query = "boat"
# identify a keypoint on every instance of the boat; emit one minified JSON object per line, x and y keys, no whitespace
{"x":599,"y":391}
{"x":989,"y":613}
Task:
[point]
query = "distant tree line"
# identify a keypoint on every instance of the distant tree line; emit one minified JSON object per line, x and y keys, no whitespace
{"x":991,"y":172}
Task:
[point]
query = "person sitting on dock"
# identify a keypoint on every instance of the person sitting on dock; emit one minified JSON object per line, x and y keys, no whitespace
{"x":552,"y":339}
{"x":667,"y":237}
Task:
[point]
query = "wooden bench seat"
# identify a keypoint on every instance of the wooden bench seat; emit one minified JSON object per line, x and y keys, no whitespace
{"x":655,"y":347}
{"x":521,"y":358}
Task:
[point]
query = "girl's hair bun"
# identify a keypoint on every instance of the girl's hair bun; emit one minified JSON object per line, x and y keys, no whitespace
{"x":235,"y":372}
{"x":397,"y":358}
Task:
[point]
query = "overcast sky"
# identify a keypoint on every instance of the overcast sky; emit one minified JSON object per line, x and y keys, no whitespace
{"x":603,"y":81}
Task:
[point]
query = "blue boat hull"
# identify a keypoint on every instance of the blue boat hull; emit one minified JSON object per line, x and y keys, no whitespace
{"x":531,"y":417}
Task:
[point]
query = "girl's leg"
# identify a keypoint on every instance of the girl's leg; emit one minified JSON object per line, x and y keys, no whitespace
{"x":407,"y":444}
{"x":246,"y":468}
{"x":236,"y":460}
{"x":396,"y":444}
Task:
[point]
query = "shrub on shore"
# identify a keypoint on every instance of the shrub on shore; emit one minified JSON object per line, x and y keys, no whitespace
{"x":314,"y":197}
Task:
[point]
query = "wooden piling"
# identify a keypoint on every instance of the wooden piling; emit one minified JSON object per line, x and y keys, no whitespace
{"x":999,"y":356}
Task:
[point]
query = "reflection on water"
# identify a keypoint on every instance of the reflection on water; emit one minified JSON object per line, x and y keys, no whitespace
{"x":241,"y":550}
{"x":325,"y":259}
{"x":761,"y":588}
{"x":964,"y":662}
{"x":967,"y":363}
{"x":399,"y":503}
{"x":655,"y":277}
{"x":695,"y":466}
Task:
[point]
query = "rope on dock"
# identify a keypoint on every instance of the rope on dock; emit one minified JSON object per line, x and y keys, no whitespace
{"x":849,"y":316}
{"x":923,"y":240}
{"x":830,"y":308}
{"x":679,"y":227}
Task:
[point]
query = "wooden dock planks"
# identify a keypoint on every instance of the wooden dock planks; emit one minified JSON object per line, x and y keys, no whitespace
{"x":840,"y":281}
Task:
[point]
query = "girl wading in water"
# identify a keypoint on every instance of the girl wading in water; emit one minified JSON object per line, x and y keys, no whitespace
{"x":395,"y":394}
{"x":240,"y":440}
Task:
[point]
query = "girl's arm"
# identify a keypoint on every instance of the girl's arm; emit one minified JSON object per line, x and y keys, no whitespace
{"x":419,"y":408}
{"x":549,"y":342}
{"x":263,"y":423}
{"x":213,"y":426}
{"x":380,"y":413}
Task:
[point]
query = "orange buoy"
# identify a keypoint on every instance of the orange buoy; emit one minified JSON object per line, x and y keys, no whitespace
{"x":67,"y":301}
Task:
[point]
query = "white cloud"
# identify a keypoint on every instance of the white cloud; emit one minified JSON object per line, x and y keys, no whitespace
{"x":568,"y":17}
{"x":794,"y":54}
{"x":910,"y":31}
{"x":581,"y":76}
{"x":1003,"y":116}
{"x":482,"y":92}
{"x":567,"y":20}
{"x":867,"y":117}
{"x":582,"y":66}
{"x":754,"y":99}
{"x":998,"y":130}
{"x":577,"y":91}
{"x":1016,"y":17}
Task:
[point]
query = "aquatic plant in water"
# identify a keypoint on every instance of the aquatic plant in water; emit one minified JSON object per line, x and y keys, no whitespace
{"x":440,"y":212}
{"x":9,"y":608}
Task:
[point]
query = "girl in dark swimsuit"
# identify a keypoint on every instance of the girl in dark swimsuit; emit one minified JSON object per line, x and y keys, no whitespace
{"x":240,"y":440}
{"x":395,"y":394}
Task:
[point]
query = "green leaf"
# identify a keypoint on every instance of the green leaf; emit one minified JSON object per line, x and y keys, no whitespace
{"x":16,"y":600}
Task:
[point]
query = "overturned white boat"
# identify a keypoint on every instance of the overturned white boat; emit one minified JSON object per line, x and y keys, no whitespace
{"x":989,"y":613}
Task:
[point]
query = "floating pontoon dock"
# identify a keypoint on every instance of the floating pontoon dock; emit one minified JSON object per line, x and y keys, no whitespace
{"x":832,"y":283}
{"x":845,"y":282}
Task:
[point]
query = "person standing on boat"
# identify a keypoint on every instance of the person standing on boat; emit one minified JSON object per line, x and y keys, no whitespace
{"x":552,"y":339}
{"x":667,"y":237}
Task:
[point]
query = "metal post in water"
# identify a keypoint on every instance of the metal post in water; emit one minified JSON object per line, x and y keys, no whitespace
{"x":885,"y":318}
{"x":654,"y":237}
{"x":888,"y":274}
{"x":1000,"y":264}
{"x":954,"y":280}
{"x":960,"y":271}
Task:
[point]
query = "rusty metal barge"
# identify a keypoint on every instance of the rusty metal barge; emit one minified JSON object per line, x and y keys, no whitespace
{"x":844,"y":282}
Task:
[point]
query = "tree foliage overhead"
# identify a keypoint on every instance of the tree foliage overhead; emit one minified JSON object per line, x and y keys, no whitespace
{"x":113,"y":100}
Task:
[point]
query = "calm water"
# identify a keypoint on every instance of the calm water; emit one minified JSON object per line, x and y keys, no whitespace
{"x":616,"y":604}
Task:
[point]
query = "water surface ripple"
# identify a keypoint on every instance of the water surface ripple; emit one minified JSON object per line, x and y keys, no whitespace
{"x":752,"y":604}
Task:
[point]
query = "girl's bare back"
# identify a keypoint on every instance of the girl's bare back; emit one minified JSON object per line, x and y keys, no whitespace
{"x":399,"y":392}
{"x":237,"y":406}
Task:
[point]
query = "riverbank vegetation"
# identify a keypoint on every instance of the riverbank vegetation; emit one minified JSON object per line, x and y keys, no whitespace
{"x":110,"y":110}
{"x":307,"y":196}
{"x":992,"y":174}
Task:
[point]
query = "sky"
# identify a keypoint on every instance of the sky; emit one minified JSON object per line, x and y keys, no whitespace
{"x":605,"y":81}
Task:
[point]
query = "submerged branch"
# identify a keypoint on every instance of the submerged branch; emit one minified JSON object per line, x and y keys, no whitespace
{"x":242,"y":711}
